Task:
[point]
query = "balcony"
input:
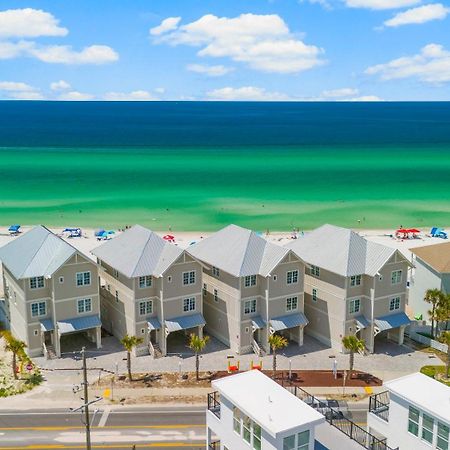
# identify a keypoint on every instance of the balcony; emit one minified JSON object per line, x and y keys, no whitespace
{"x":214,"y":404}
{"x":379,"y":405}
{"x":214,"y":445}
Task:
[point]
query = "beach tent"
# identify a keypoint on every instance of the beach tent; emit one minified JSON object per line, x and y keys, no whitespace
{"x":74,"y":232}
{"x":99,"y":232}
{"x":14,"y":229}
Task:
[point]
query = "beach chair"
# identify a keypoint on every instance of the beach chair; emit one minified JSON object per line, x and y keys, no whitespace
{"x":14,"y":230}
{"x":433,"y":231}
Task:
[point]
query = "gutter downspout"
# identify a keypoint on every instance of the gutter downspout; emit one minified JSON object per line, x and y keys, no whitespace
{"x":372,"y":313}
{"x":163,"y":330}
{"x":267,"y":312}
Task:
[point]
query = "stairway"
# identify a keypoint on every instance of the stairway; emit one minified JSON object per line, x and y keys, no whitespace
{"x":51,"y":354}
{"x":157,"y":353}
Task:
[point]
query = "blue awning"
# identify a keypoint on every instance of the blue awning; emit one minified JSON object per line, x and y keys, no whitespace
{"x":153,"y":323}
{"x":289,"y":321}
{"x":258,"y":322}
{"x":47,"y":325}
{"x":184,"y":322}
{"x":78,"y":324}
{"x":392,"y":321}
{"x":361,"y":322}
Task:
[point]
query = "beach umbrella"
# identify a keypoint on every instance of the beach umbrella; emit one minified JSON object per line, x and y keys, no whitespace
{"x":99,"y":232}
{"x":413,"y":230}
{"x":402,"y":230}
{"x":111,"y":232}
{"x":169,"y":237}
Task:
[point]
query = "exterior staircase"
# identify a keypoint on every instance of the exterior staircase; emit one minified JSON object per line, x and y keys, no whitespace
{"x":155,"y":350}
{"x":258,"y":349}
{"x":50,"y":352}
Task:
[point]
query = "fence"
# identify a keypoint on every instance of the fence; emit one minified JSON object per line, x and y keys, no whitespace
{"x":335,"y":418}
{"x":379,"y":405}
{"x":415,"y":336}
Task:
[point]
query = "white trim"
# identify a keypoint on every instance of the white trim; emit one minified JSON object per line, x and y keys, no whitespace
{"x":38,"y":302}
{"x":83,"y":273}
{"x":189,"y":272}
{"x":84,"y":305}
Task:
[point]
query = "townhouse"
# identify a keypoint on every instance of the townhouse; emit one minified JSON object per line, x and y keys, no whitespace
{"x":51,"y":292}
{"x":352,"y":286}
{"x":150,"y":288}
{"x":251,"y":289}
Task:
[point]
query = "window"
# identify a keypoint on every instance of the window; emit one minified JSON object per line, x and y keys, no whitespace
{"x":289,"y":443}
{"x":116,"y":273}
{"x":250,"y":280}
{"x":142,"y":330}
{"x":189,"y":304}
{"x":216,"y":295}
{"x":249,"y":306}
{"x":36,"y":332}
{"x":215,"y":271}
{"x":246,"y":425}
{"x":427,"y":428}
{"x":442,"y":437}
{"x":37,"y":282}
{"x":247,"y":330}
{"x":256,"y":436}
{"x":275,"y":278}
{"x":84,"y":305}
{"x":394,"y":304}
{"x":237,"y":420}
{"x":315,"y":271}
{"x":117,"y":296}
{"x":396,"y":277}
{"x":145,"y":281}
{"x":303,"y":440}
{"x":83,"y":278}
{"x":145,"y":307}
{"x":413,"y":421}
{"x":169,"y":278}
{"x":189,"y":277}
{"x":291,"y":303}
{"x":355,"y":280}
{"x":205,"y":289}
{"x":292,"y":277}
{"x":61,"y":280}
{"x":355,"y":305}
{"x":38,"y":309}
{"x":314,"y":295}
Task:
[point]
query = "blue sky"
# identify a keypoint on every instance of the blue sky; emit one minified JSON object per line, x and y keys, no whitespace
{"x":225,"y":50}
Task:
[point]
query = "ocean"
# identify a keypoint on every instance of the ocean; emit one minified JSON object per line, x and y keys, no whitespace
{"x":202,"y":165}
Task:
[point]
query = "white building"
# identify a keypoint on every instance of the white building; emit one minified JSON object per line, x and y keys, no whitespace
{"x":414,"y":413}
{"x":251,"y":411}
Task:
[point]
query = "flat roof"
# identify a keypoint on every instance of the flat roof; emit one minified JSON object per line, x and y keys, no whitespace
{"x":424,"y":392}
{"x":437,"y":256}
{"x":273,"y":407}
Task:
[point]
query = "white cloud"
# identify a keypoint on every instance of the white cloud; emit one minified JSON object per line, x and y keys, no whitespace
{"x":15,"y":86}
{"x":323,"y":3}
{"x":246,"y":93}
{"x":63,"y":54}
{"x":365,"y":98}
{"x":422,"y":14}
{"x":160,"y":90}
{"x":263,"y":42}
{"x":75,"y":96}
{"x":20,"y":91}
{"x":129,"y":96}
{"x":336,"y":93}
{"x":29,"y":22}
{"x":431,"y":65}
{"x":23,"y":95}
{"x":381,"y":4}
{"x":169,"y":24}
{"x":60,"y":85}
{"x":211,"y":71}
{"x":9,"y":50}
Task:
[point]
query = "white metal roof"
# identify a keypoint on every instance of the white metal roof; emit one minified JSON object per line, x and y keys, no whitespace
{"x":37,"y":253}
{"x":138,"y":252}
{"x":342,"y":251}
{"x":273,"y":407}
{"x":239,"y":252}
{"x":424,"y":392}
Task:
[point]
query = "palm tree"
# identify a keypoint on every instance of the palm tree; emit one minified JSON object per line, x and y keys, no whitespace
{"x":129,"y":342}
{"x":433,"y":296}
{"x":16,"y":347}
{"x":445,"y":338}
{"x":276,"y":342}
{"x":352,"y":344}
{"x":197,"y":344}
{"x":442,"y":312}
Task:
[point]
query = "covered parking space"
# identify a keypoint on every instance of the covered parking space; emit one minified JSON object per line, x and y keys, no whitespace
{"x":178,"y":329}
{"x":290,"y":326}
{"x":391,"y":327}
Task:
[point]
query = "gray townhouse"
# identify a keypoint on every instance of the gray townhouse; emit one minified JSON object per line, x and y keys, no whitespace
{"x":352,"y":286}
{"x":51,"y":292}
{"x":431,"y":271}
{"x":251,"y":288}
{"x":150,"y":288}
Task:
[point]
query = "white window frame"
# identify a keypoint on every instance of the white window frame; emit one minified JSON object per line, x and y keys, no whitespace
{"x":411,"y":420}
{"x":292,"y":277}
{"x":355,"y":280}
{"x":147,"y":305}
{"x":189,"y":277}
{"x":425,"y":429}
{"x":145,"y":281}
{"x":441,"y":437}
{"x":249,"y":306}
{"x":250,"y":281}
{"x":292,"y":303}
{"x":395,"y":303}
{"x":39,"y":283}
{"x":189,"y":304}
{"x":84,"y":302}
{"x":83,"y":278}
{"x":314,"y":294}
{"x":396,"y":276}
{"x":215,"y":271}
{"x":216,"y":295}
{"x":352,"y":306}
{"x":39,"y":304}
{"x":314,"y":271}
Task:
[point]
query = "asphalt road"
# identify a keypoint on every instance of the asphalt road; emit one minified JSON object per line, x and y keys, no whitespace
{"x":181,"y":427}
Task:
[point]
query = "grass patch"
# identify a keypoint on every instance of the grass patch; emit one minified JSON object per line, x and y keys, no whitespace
{"x":436,"y":372}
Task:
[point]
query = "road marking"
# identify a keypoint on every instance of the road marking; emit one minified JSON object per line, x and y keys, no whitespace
{"x":110,"y":427}
{"x":104,"y":417}
{"x":113,"y":446}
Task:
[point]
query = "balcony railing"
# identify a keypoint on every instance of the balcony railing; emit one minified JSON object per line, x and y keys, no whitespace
{"x":379,"y":405}
{"x":214,"y":403}
{"x":214,"y":445}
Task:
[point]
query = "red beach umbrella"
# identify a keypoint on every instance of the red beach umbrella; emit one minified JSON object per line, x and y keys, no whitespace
{"x":169,"y":237}
{"x":403,"y":230}
{"x":413,"y":230}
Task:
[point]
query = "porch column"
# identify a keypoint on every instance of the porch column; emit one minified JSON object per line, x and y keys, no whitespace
{"x":401,"y":334}
{"x":300,"y":336}
{"x":164,"y":337}
{"x":98,"y":337}
{"x":57,"y":341}
{"x":200,"y":331}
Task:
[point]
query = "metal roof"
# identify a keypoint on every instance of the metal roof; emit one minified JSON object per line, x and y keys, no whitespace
{"x":78,"y":324}
{"x":37,"y":253}
{"x":289,"y":321}
{"x":184,"y":322}
{"x":154,"y":323}
{"x":47,"y":325}
{"x":342,"y":251}
{"x":258,"y":322}
{"x":239,"y":252}
{"x":361,"y":321}
{"x":437,"y":256}
{"x":392,"y":321}
{"x":138,"y":252}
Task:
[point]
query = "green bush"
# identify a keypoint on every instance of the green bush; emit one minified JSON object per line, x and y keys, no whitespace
{"x":432,"y":371}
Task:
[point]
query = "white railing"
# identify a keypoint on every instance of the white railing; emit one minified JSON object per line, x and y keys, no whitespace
{"x":256,"y":348}
{"x":428,"y":341}
{"x":151,"y":348}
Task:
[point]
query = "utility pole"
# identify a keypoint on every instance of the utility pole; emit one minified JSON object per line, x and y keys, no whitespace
{"x":86,"y":404}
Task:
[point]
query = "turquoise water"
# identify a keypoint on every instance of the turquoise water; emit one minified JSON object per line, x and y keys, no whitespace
{"x":200,"y":166}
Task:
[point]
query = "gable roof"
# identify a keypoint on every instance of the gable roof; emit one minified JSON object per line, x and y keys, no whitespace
{"x":437,"y":256}
{"x":137,"y":252}
{"x":37,"y":253}
{"x":239,"y":252}
{"x":342,"y":251}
